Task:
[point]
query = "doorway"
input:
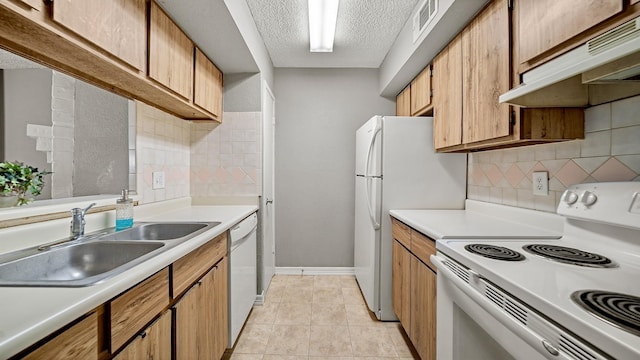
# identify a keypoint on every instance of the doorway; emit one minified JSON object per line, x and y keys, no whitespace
{"x":268,"y":188}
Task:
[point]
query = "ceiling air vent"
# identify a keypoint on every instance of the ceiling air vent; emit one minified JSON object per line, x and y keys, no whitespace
{"x":423,"y":17}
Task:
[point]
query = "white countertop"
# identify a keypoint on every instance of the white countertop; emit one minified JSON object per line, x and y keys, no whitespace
{"x":29,"y":314}
{"x":482,"y":220}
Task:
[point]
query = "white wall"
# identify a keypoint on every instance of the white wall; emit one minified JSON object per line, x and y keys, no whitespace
{"x":317,"y":114}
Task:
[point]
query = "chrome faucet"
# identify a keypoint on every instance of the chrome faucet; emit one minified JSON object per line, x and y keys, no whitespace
{"x":77,"y":221}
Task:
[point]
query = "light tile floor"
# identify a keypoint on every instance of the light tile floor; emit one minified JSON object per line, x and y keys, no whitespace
{"x":318,"y":317}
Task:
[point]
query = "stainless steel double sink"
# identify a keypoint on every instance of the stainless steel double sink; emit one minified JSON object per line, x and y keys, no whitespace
{"x":95,"y":257}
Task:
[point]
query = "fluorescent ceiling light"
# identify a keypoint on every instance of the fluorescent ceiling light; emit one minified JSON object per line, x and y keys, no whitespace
{"x":322,"y":24}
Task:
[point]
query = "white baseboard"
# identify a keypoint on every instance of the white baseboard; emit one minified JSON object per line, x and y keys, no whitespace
{"x":314,"y":271}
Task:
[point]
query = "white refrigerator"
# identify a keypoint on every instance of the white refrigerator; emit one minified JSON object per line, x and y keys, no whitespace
{"x":396,"y":168}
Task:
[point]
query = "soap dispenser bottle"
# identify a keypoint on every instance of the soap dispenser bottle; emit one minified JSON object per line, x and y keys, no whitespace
{"x":124,"y":211}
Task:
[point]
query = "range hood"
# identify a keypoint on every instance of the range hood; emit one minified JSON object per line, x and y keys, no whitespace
{"x":604,"y":69}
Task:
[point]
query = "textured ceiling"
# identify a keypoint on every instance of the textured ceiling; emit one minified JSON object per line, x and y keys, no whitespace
{"x":365,"y":31}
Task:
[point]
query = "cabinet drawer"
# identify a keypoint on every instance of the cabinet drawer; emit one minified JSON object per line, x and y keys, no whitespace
{"x":423,"y":247}
{"x":79,"y":341}
{"x":401,"y":232}
{"x":132,"y":310}
{"x":193,"y":265}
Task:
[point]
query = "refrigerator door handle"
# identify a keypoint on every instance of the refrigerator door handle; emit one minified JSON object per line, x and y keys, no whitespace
{"x":372,"y":216}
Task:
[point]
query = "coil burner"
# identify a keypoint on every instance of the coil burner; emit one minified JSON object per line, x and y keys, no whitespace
{"x":569,"y":255}
{"x":494,"y":252}
{"x":620,"y":310}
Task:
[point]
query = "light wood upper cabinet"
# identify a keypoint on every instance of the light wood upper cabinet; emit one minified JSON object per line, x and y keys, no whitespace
{"x":170,"y":54}
{"x":544,"y":24}
{"x":208,"y":85}
{"x":421,"y":92}
{"x":486,"y":70}
{"x":447,"y":96}
{"x":152,"y":343}
{"x":80,"y":341}
{"x":403,"y":102}
{"x":117,"y":26}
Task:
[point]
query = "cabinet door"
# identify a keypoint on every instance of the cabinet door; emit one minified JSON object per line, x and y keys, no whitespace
{"x":544,"y":24}
{"x":401,"y":282}
{"x":208,"y":85}
{"x":423,"y":309}
{"x":201,"y":317}
{"x":447,"y":96}
{"x":80,"y":341}
{"x":486,"y":70}
{"x":133,"y":309}
{"x":421,"y":92}
{"x":117,"y":26}
{"x":152,"y":343}
{"x":170,"y":54}
{"x":403,"y":102}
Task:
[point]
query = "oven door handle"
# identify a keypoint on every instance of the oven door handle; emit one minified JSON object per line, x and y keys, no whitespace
{"x":542,"y":345}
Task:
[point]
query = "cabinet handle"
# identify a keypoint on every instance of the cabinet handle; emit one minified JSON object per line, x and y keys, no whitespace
{"x":199,"y":282}
{"x":143,"y":334}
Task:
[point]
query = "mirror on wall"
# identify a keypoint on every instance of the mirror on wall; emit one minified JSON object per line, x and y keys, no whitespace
{"x":57,"y":123}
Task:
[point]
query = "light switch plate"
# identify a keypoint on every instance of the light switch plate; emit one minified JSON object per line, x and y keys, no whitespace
{"x":541,"y":183}
{"x":157,"y":180}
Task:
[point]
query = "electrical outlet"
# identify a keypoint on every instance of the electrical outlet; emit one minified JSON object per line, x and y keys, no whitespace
{"x":157,"y":180}
{"x":541,"y":183}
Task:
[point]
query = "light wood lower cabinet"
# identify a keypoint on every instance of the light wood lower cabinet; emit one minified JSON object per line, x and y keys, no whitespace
{"x":80,"y":341}
{"x":401,"y":283}
{"x":414,"y":289}
{"x":200,"y":317}
{"x":132,"y":310}
{"x":152,"y":343}
{"x":423,"y":309}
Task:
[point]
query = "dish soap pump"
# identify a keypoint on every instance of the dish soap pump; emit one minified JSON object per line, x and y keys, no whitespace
{"x":124,"y":211}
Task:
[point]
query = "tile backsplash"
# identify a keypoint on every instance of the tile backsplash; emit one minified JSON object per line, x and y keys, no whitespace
{"x":228,"y":160}
{"x":163,"y":144}
{"x":609,"y":152}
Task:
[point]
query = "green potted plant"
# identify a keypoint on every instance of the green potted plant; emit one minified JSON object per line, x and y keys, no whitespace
{"x":17,"y":180}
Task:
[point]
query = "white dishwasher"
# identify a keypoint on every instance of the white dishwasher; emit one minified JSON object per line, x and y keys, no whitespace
{"x":242,"y":275}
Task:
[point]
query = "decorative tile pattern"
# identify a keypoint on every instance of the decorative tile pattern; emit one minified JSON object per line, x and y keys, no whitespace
{"x":226,"y":159}
{"x":337,"y":330}
{"x":609,"y":152}
{"x":163,"y":144}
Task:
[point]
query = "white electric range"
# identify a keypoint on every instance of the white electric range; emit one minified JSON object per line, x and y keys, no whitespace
{"x":577,"y":297}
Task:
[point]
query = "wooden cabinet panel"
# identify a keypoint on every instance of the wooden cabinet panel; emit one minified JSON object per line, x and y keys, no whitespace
{"x":485,"y":74}
{"x":191,"y":267}
{"x":170,"y":54}
{"x":544,"y":24}
{"x":34,"y":4}
{"x":201,"y":322}
{"x":423,"y":310}
{"x":117,"y":26}
{"x":401,"y":232}
{"x":447,"y":96}
{"x":401,"y":282}
{"x":132,"y":310}
{"x":403,"y":102}
{"x":186,"y":314}
{"x":423,"y":247}
{"x":80,"y":341}
{"x":152,"y":343}
{"x":208,"y":85}
{"x":421,"y":92}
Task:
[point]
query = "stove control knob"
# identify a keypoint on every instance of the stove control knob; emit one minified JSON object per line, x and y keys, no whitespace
{"x":569,"y":197}
{"x":588,"y":198}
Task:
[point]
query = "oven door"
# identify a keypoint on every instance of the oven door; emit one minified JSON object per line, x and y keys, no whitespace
{"x":477,"y":321}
